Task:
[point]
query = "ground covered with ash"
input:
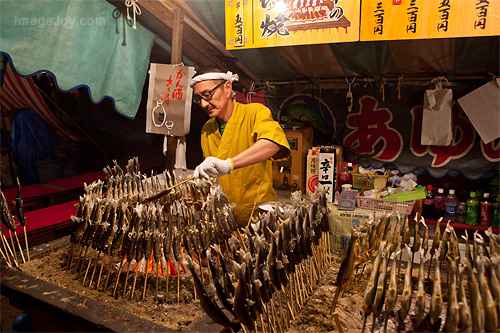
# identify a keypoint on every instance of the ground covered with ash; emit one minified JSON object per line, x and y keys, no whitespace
{"x":314,"y":316}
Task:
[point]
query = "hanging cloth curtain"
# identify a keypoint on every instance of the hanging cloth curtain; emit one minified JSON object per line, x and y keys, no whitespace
{"x":81,"y":43}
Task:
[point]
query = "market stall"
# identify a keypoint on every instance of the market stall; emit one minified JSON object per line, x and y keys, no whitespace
{"x":390,"y":122}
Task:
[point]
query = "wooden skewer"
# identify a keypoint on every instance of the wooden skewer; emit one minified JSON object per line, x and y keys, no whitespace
{"x":26,"y":241}
{"x":126,"y":279}
{"x":110,"y":266}
{"x":100,"y":272}
{"x":95,"y":267}
{"x":145,"y":282}
{"x":9,"y":250}
{"x":166,"y":191}
{"x":117,"y":278}
{"x":20,"y":249}
{"x":6,"y":258}
{"x":87,"y":271}
{"x":77,"y":264}
{"x":13,"y":248}
{"x":255,"y":202}
{"x":337,"y":322}
{"x":167,"y":269}
{"x":156,"y":283}
{"x":178,"y":282}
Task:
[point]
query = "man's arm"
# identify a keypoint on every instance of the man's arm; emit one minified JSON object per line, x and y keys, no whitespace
{"x":258,"y":152}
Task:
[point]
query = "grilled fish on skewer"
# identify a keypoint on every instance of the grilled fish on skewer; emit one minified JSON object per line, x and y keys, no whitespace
{"x":425,"y":240}
{"x":452,"y":313}
{"x":392,"y":292}
{"x":437,"y":297}
{"x":476,"y":305}
{"x":490,"y":308}
{"x":346,"y":269}
{"x":371,"y":287}
{"x":378,"y":301}
{"x":407,"y":293}
{"x":207,"y":303}
{"x":465,"y":322}
{"x":435,"y":244}
{"x":420,"y":296}
{"x":223,"y":297}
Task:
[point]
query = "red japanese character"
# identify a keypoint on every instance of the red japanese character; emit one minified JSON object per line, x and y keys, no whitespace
{"x":491,"y":151}
{"x":177,"y":94}
{"x":370,"y":126}
{"x":169,"y":81}
{"x":180,"y":74}
{"x":416,"y":132}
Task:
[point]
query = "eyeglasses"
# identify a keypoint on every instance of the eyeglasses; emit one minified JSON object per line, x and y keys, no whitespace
{"x":206,"y":95}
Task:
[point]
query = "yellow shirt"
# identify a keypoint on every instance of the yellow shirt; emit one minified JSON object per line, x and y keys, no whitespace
{"x":248,"y":123}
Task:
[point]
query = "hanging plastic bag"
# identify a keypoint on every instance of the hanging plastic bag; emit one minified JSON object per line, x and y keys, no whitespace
{"x":437,"y":127}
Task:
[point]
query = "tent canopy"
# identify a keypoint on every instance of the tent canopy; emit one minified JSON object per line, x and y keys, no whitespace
{"x":457,"y":58}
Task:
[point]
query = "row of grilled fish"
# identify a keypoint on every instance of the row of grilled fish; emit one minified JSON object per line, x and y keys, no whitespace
{"x":111,"y":223}
{"x":277,"y":259}
{"x":279,"y":254}
{"x":476,"y":310}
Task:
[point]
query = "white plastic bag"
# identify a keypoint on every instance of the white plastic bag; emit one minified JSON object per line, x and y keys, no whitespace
{"x":437,"y":129}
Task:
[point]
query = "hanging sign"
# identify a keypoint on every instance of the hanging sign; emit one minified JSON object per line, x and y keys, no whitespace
{"x":266,"y":23}
{"x":169,"y":99}
{"x":421,"y":19}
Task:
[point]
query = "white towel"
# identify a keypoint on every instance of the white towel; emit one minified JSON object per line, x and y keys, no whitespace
{"x":180,"y":152}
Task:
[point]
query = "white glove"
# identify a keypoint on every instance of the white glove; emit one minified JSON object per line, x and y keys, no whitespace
{"x":213,"y":167}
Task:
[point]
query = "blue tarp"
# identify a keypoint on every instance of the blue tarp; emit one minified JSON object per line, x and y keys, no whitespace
{"x":31,"y":143}
{"x":81,"y":43}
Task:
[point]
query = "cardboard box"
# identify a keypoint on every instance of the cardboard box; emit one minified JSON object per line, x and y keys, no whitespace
{"x":330,"y":160}
{"x":312,"y":169}
{"x":299,"y":140}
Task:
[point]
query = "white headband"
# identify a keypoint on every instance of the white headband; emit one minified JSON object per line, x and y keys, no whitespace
{"x":214,"y":76}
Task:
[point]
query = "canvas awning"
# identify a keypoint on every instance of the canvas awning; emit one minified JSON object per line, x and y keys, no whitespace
{"x":81,"y":43}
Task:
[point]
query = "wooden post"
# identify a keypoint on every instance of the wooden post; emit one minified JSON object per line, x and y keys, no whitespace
{"x":176,"y":58}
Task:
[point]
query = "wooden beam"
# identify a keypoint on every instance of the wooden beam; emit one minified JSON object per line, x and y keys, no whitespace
{"x":177,"y":30}
{"x":160,"y":19}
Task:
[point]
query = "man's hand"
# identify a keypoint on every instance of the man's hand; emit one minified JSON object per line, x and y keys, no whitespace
{"x":213,"y":167}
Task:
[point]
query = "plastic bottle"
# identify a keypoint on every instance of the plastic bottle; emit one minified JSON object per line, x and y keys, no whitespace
{"x":495,"y":219}
{"x":345,"y":175}
{"x":486,"y":208}
{"x":472,"y":210}
{"x":439,"y":204}
{"x":451,"y":204}
{"x":461,"y":215}
{"x":428,"y":210}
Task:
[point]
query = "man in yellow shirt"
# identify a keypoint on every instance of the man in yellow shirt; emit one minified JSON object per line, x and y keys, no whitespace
{"x":238,"y":142}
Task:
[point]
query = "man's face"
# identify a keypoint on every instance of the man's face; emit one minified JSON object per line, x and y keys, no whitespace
{"x":212,"y":96}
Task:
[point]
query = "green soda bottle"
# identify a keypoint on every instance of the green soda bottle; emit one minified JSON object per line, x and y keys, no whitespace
{"x":472,"y":210}
{"x":495,"y":218}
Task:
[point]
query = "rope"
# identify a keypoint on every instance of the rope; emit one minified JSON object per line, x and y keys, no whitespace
{"x":135,"y":9}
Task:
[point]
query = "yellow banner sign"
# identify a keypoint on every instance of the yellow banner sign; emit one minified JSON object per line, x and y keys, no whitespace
{"x":265,"y":23}
{"x":421,"y":19}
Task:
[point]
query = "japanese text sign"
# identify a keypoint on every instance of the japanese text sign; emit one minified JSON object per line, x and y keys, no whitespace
{"x":169,"y":99}
{"x":266,"y":23}
{"x":419,"y":19}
